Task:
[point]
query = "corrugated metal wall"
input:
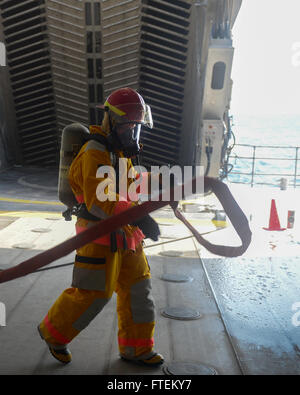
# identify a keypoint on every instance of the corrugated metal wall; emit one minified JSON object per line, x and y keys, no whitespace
{"x":25,"y":32}
{"x":66,"y":35}
{"x":164,"y":46}
{"x":66,"y":56}
{"x":145,"y":47}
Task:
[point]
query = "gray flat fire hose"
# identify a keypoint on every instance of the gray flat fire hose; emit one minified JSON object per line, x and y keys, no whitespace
{"x":235,"y":215}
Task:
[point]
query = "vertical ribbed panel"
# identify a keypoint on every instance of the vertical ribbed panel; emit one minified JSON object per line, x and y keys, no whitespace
{"x":145,"y":47}
{"x":66,"y":30}
{"x":65,"y":56}
{"x":94,"y":49}
{"x":121,"y":43}
{"x":164,"y":42}
{"x":25,"y":32}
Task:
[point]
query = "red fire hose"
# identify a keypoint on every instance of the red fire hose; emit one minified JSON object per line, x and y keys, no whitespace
{"x":231,"y":208}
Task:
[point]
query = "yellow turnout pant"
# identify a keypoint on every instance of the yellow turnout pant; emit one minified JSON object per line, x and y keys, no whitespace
{"x":97,"y":273}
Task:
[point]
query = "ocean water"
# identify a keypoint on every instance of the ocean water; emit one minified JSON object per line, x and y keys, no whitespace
{"x":271,"y":164}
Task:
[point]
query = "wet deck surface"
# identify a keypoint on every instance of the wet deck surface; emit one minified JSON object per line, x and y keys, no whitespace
{"x":255,"y":298}
{"x":247,"y":324}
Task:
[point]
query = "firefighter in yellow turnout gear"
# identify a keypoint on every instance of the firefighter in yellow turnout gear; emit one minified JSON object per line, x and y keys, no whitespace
{"x":115,"y":262}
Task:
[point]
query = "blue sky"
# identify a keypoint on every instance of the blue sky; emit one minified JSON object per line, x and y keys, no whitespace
{"x":266,"y":66}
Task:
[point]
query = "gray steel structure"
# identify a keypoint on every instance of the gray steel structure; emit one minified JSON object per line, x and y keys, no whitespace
{"x":64,"y":57}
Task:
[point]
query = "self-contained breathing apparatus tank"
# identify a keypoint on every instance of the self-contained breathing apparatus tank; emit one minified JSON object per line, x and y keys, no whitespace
{"x":73,"y":138}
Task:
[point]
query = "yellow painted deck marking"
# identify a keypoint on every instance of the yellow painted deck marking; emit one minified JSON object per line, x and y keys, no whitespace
{"x":21,"y":214}
{"x":4,"y":199}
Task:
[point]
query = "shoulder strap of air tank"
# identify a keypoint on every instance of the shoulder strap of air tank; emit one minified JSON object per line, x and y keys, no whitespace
{"x":100,"y":139}
{"x":103,"y":140}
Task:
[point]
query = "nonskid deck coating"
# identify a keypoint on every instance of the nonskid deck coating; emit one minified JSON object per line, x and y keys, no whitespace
{"x":246,"y":302}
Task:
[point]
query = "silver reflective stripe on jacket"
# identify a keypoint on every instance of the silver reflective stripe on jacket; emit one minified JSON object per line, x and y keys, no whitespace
{"x":142,"y":303}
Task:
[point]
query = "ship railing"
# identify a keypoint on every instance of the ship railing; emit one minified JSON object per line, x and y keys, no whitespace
{"x":247,"y":164}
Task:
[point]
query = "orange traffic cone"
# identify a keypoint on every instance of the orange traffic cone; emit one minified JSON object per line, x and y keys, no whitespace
{"x":274,"y":223}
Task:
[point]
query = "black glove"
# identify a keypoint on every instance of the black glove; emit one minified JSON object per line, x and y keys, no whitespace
{"x":148,"y":226}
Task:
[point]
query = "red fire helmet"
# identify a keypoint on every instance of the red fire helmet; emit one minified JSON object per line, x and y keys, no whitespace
{"x":128,"y":106}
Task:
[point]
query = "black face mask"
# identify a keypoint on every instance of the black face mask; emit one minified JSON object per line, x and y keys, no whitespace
{"x":126,"y":138}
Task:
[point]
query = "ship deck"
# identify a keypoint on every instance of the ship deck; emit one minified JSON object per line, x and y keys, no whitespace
{"x":242,"y":311}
